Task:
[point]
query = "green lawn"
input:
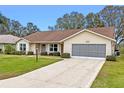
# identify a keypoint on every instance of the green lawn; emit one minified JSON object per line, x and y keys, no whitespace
{"x":111,"y":75}
{"x":13,"y":65}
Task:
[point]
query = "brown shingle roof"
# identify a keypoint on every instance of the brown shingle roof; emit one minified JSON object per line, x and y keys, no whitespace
{"x":51,"y":36}
{"x":106,"y":31}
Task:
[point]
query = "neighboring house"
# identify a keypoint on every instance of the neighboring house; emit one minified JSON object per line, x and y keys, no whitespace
{"x":94,"y":42}
{"x":7,"y":39}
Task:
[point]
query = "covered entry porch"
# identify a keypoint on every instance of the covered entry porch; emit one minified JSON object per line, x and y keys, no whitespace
{"x":45,"y":47}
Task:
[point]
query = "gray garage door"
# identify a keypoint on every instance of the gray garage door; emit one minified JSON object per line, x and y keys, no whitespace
{"x":89,"y":50}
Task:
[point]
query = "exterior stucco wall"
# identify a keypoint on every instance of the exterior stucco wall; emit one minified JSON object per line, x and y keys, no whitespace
{"x":113,"y":46}
{"x":59,"y":48}
{"x":47,"y":48}
{"x":87,"y":38}
{"x":2,"y":47}
{"x":32,"y":47}
{"x":22,"y":42}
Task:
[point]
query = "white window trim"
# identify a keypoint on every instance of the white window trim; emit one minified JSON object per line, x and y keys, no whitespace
{"x":22,"y":47}
{"x":53,"y":48}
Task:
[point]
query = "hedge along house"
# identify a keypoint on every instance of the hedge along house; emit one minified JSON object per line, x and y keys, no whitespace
{"x":7,"y":39}
{"x":93,"y":42}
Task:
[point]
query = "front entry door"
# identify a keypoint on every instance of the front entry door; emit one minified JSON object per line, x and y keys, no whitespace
{"x":43,"y":48}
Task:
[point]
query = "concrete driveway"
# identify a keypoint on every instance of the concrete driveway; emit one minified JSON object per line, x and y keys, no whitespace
{"x":68,"y":73}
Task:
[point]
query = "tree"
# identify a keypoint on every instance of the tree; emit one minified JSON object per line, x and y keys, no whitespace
{"x":17,"y":28}
{"x":119,"y":32}
{"x":77,"y":20}
{"x":36,"y":28}
{"x":113,"y":16}
{"x":110,"y":15}
{"x":31,"y":28}
{"x":3,"y":24}
{"x":51,"y":28}
{"x":8,"y":26}
{"x":93,"y":20}
{"x":74,"y":20}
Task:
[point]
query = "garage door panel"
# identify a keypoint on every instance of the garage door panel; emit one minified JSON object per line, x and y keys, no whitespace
{"x":83,"y":49}
{"x":92,"y":53}
{"x":101,"y":54}
{"x":89,"y":50}
{"x":83,"y":54}
{"x":75,"y":50}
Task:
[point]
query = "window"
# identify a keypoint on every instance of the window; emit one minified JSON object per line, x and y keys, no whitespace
{"x":43,"y":45}
{"x":53,"y":47}
{"x":22,"y":47}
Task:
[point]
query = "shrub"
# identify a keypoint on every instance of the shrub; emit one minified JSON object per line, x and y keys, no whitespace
{"x":1,"y":51}
{"x":17,"y":53}
{"x":111,"y":58}
{"x":65,"y":55}
{"x":50,"y":54}
{"x":20,"y":53}
{"x":13,"y":52}
{"x":30,"y":53}
{"x":117,"y":53}
{"x":9,"y":49}
{"x":122,"y":50}
{"x":54,"y":54}
{"x":43,"y":53}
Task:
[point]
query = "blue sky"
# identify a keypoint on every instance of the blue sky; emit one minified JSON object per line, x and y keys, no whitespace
{"x":44,"y":15}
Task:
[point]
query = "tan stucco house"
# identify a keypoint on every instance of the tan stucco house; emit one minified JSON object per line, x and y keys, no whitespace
{"x":93,"y":42}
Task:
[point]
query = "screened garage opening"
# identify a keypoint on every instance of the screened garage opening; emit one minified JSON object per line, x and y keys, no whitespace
{"x":89,"y":50}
